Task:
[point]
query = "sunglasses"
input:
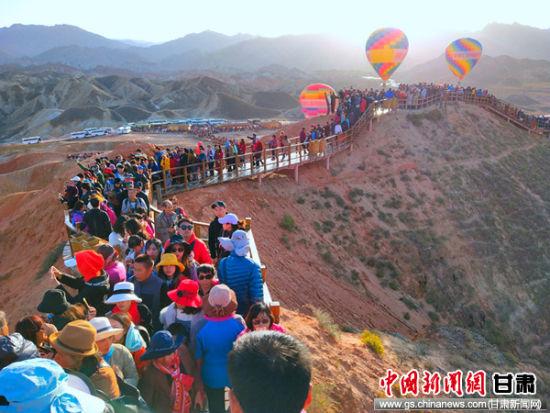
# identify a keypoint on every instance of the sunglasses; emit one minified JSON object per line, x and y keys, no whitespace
{"x":184,"y":227}
{"x":179,"y":250}
{"x":205,"y":276}
{"x":260,"y":321}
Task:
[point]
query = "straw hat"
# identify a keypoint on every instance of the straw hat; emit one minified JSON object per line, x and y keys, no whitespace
{"x":77,"y":338}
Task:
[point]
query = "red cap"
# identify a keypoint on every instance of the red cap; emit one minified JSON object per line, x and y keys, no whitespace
{"x":187,"y":294}
{"x":89,"y":264}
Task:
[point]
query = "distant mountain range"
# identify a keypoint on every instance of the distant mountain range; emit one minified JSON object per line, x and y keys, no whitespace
{"x":27,"y":45}
{"x":54,"y":79}
{"x":54,"y":103}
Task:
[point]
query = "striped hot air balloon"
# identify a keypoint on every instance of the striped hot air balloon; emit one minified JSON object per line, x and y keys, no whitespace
{"x":462,"y":55}
{"x":386,"y":49}
{"x":314,"y":100}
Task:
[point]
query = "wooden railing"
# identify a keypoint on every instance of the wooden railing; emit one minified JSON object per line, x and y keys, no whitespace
{"x":201,"y":232}
{"x":246,"y":165}
{"x":249,"y":164}
{"x":488,"y":102}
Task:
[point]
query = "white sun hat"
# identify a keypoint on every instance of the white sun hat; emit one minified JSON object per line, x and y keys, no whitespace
{"x":104,"y":328}
{"x":123,"y":291}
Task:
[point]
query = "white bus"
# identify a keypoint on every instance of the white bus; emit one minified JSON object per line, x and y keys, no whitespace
{"x":98,"y":131}
{"x":31,"y":140}
{"x":79,"y":135}
{"x":123,"y":130}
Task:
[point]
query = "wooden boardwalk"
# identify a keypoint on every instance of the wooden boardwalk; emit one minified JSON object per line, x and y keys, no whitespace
{"x":248,"y":165}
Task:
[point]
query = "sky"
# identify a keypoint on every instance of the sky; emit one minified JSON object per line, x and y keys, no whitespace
{"x":163,"y":20}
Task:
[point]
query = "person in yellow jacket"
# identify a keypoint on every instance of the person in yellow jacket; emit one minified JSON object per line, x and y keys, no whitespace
{"x":165,"y":166}
{"x":165,"y":163}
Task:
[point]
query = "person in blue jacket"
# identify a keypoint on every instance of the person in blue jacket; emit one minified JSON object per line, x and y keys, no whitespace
{"x":241,"y":273}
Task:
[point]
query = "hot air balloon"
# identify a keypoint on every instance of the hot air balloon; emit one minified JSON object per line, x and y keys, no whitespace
{"x":315,"y":99}
{"x":386,"y":49}
{"x":462,"y":55}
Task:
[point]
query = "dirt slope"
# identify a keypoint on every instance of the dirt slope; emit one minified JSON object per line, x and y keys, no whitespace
{"x":433,"y":230}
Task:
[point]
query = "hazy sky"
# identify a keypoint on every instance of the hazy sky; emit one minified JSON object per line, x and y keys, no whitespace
{"x":162,"y":20}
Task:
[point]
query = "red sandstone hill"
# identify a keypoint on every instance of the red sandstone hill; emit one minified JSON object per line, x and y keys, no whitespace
{"x":433,"y":231}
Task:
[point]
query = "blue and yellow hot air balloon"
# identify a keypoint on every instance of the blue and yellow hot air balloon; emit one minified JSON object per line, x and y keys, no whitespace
{"x":386,"y":49}
{"x":462,"y":55}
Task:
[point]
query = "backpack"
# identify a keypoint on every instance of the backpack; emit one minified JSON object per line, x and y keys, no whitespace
{"x":130,"y":400}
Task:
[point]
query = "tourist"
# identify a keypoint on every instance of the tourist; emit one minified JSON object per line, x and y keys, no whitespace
{"x":115,"y":269}
{"x":165,"y":386}
{"x":118,"y":238}
{"x":230,"y":224}
{"x":33,"y":328}
{"x":97,"y":221}
{"x":76,"y":350}
{"x":116,"y":355}
{"x":180,"y":212}
{"x":125,"y":301}
{"x":185,"y":229}
{"x":186,"y":305}
{"x":92,"y":286}
{"x":130,"y":204}
{"x":169,"y":270}
{"x":153,"y":248}
{"x":269,"y":372}
{"x":260,"y":318}
{"x":4,"y":328}
{"x":184,"y":253}
{"x":76,"y":216}
{"x":57,"y":309}
{"x":241,"y":273}
{"x":213,"y":343}
{"x":42,"y":386}
{"x":71,"y":194}
{"x":215,"y":229}
{"x":14,"y":347}
{"x":135,"y":248}
{"x":207,"y":278}
{"x":166,"y":221}
{"x":131,"y":337}
{"x":149,"y":287}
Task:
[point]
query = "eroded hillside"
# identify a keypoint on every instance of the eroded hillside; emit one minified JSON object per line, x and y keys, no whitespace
{"x":432,"y":229}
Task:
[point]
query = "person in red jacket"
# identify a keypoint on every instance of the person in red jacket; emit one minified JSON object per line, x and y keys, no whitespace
{"x":200,"y":250}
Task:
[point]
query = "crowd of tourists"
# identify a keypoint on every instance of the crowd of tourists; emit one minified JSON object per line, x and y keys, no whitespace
{"x":153,"y":318}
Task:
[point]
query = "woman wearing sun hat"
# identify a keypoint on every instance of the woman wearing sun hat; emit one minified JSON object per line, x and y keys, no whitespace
{"x":184,"y":253}
{"x":118,"y":356}
{"x":164,"y":385}
{"x":170,"y":270}
{"x":185,"y":307}
{"x":42,"y":386}
{"x":126,"y":301}
{"x":214,"y":342}
{"x":77,"y":350}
